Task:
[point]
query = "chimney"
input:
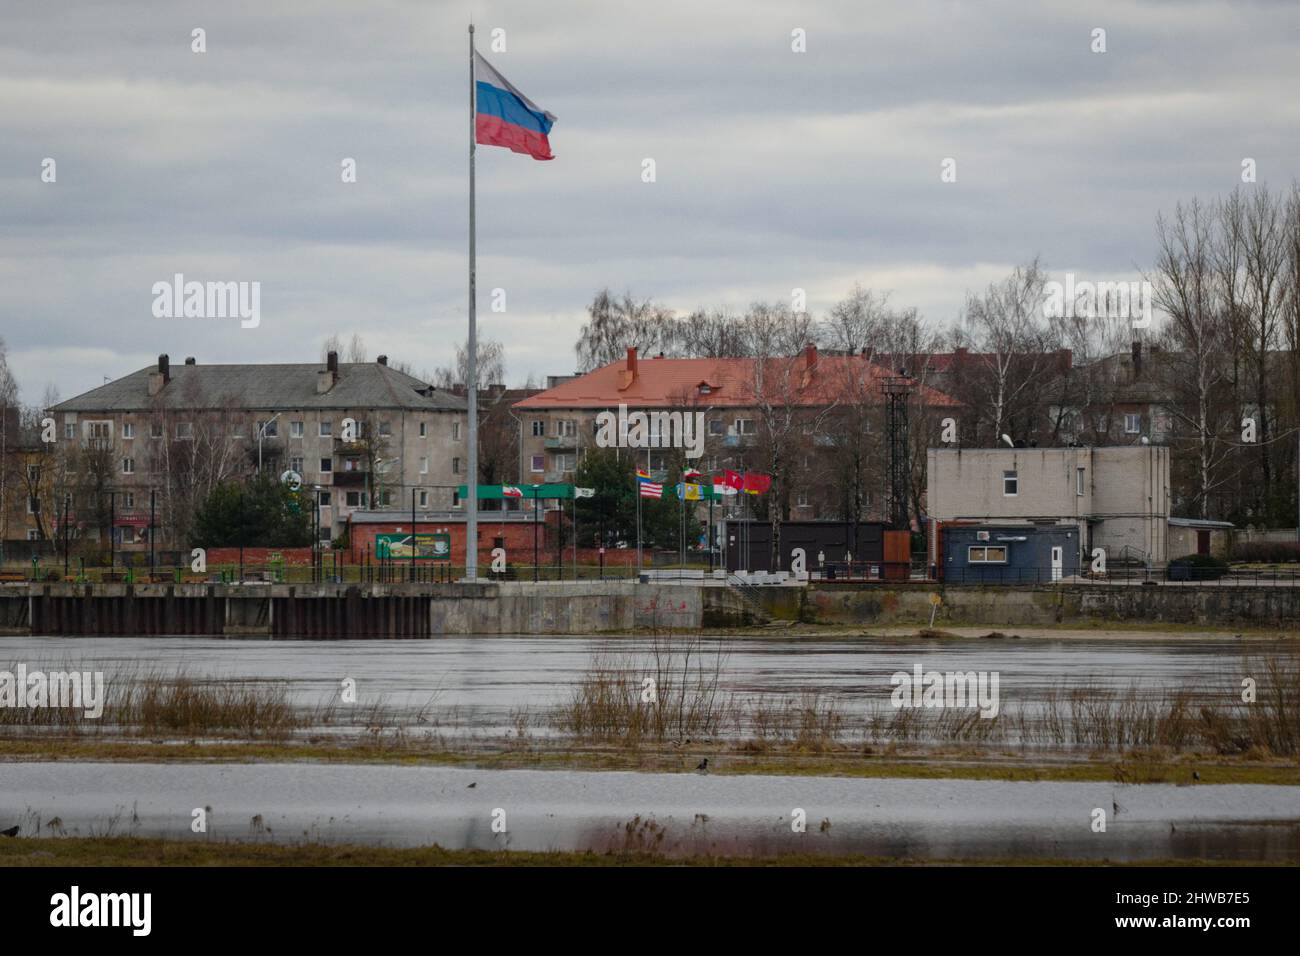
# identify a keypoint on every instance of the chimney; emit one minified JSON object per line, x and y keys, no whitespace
{"x":327,"y":376}
{"x":1137,"y":359}
{"x":628,"y":375}
{"x":189,"y":360}
{"x":159,"y":379}
{"x":810,"y":356}
{"x":382,"y":360}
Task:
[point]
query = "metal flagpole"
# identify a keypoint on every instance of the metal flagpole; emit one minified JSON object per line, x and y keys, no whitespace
{"x":471,"y":385}
{"x":638,"y":528}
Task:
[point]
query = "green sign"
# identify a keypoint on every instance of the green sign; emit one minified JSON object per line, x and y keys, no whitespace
{"x":428,"y":547}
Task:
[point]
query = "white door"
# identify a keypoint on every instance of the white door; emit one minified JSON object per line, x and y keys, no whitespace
{"x":1058,"y":560}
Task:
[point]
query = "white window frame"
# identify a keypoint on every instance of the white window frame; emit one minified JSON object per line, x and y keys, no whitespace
{"x":325,"y":428}
{"x":539,"y":427}
{"x":184,"y":431}
{"x":1012,"y":476}
{"x":538,"y":464}
{"x":1135,"y":419}
{"x":424,"y":465}
{"x":296,"y":429}
{"x":128,"y":430}
{"x":128,"y":466}
{"x":1080,"y":481}
{"x":984,"y":550}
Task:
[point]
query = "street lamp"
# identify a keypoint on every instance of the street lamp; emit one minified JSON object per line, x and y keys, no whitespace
{"x":261,"y":433}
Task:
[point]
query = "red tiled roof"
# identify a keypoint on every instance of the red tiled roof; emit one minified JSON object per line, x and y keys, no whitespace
{"x":672,"y":383}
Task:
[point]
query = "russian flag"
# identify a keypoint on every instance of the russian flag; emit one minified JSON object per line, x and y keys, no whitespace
{"x":505,"y":117}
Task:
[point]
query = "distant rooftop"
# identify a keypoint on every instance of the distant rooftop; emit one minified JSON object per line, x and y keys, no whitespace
{"x":357,"y":385}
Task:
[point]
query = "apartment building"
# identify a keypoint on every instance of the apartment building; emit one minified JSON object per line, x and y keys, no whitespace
{"x":744,"y":402}
{"x":359,"y":435}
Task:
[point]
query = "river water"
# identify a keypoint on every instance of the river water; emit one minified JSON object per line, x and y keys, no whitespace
{"x":674,"y":814}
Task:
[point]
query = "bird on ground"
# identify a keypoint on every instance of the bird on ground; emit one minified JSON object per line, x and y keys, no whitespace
{"x":703,"y":765}
{"x":11,"y":832}
{"x":1196,"y":776}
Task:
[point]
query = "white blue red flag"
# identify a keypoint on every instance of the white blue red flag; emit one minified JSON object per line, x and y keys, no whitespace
{"x":505,"y":117}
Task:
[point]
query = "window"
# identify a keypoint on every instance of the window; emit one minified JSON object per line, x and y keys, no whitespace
{"x":295,"y":429}
{"x":156,"y":430}
{"x":385,"y":429}
{"x":424,"y":466}
{"x":705,"y":388}
{"x":717,"y":426}
{"x":655,"y":461}
{"x":355,"y":499}
{"x":184,"y":430}
{"x":128,"y":430}
{"x":745,"y":426}
{"x":127,"y":534}
{"x":1132,"y":424}
{"x":1078,"y":481}
{"x":269,"y":429}
{"x":128,"y":466}
{"x":100,"y":429}
{"x":239,"y":430}
{"x":566,"y":462}
{"x":351,"y":464}
{"x":566,"y":428}
{"x":33,"y":534}
{"x":324,"y":499}
{"x":33,"y":505}
{"x":455,"y":431}
{"x":424,"y":429}
{"x":455,"y":499}
{"x":802,"y":500}
{"x":986,"y":555}
{"x":128,"y":500}
{"x":1010,"y":484}
{"x":327,"y":464}
{"x":325,"y":429}
{"x":539,"y":428}
{"x":455,"y":466}
{"x":424,"y":499}
{"x":386,"y":498}
{"x":33,"y":473}
{"x":295,"y":464}
{"x":69,"y":429}
{"x":539,"y":463}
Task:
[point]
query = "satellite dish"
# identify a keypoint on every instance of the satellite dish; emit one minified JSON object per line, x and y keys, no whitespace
{"x":292,"y":479}
{"x":1007,"y":438}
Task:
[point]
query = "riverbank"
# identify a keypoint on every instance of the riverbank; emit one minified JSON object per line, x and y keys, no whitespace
{"x":134,"y":852}
{"x":951,"y":764}
{"x":339,"y":611}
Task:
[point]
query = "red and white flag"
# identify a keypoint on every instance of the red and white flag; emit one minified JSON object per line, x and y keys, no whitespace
{"x":651,"y":490}
{"x":733,"y":479}
{"x":510,"y":491}
{"x":720,"y":487}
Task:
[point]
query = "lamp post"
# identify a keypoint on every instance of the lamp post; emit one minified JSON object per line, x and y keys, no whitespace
{"x":261,"y":433}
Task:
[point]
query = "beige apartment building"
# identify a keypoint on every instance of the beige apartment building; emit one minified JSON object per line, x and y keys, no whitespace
{"x":1117,"y":496}
{"x":359,"y":435}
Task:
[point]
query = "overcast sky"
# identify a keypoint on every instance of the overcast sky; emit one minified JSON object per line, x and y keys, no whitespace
{"x":775,"y":169}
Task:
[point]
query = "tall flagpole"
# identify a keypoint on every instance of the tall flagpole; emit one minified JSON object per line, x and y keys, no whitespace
{"x":471,"y":385}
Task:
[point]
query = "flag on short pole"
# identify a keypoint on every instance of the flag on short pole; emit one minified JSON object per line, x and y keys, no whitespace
{"x":503,"y":116}
{"x":584,"y":492}
{"x":510,"y":491}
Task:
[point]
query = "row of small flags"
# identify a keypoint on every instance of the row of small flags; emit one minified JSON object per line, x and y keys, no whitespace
{"x":728,"y":483}
{"x":514,"y":491}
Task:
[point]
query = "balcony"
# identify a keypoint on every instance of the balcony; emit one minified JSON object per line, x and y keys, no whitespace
{"x":562,"y":443}
{"x":350,"y":479}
